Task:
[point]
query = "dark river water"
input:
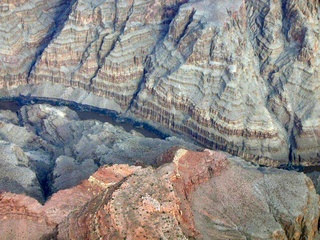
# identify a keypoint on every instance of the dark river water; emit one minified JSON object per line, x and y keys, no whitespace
{"x":89,"y":113}
{"x":311,"y":169}
{"x":85,"y":113}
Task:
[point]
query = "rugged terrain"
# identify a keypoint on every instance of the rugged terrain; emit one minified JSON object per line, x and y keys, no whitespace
{"x":44,"y":149}
{"x":191,"y":195}
{"x":240,"y":76}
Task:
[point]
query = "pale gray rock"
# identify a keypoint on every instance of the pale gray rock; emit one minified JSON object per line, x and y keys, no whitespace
{"x":242,"y":201}
{"x":9,"y":117}
{"x":68,"y":172}
{"x":315,"y":177}
{"x":60,"y":150}
{"x":15,"y":173}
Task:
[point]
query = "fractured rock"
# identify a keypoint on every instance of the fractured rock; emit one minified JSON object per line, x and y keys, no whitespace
{"x":200,"y":195}
{"x":59,"y":150}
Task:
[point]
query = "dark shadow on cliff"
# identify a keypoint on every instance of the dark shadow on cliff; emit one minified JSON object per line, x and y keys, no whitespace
{"x":61,"y":16}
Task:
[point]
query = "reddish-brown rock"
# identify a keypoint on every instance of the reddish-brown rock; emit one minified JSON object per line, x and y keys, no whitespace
{"x":23,"y":217}
{"x":201,"y":195}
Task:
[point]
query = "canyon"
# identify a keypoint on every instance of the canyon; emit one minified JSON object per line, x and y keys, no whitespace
{"x":45,"y":149}
{"x":222,"y":72}
{"x":228,"y":89}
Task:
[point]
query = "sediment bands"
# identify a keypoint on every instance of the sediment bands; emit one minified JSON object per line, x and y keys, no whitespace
{"x":241,"y":76}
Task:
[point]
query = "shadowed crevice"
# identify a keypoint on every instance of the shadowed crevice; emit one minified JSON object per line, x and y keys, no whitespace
{"x":61,"y":16}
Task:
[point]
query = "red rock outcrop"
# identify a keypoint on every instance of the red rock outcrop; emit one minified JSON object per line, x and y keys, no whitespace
{"x":44,"y":149}
{"x":201,"y":195}
{"x":22,"y":217}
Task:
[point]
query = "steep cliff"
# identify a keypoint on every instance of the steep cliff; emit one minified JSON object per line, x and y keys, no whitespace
{"x":26,"y":28}
{"x":240,"y":76}
{"x":191,"y":195}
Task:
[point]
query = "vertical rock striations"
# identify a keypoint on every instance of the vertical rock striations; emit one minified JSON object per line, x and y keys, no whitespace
{"x":103,"y":46}
{"x":214,"y":92}
{"x":285,"y":36}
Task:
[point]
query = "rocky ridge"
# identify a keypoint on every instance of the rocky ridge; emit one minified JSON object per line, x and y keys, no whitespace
{"x":26,"y":29}
{"x":172,"y":202}
{"x":240,"y":76}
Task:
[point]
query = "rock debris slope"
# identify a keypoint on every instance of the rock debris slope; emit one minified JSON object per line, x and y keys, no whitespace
{"x":240,"y":76}
{"x":172,"y":202}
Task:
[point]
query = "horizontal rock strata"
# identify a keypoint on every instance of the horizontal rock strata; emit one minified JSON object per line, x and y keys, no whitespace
{"x":240,"y":76}
{"x":26,"y":28}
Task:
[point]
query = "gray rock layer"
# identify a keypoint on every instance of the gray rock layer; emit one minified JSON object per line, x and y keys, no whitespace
{"x":241,"y":76}
{"x":50,"y":149}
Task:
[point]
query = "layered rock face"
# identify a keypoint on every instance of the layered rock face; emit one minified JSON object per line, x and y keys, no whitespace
{"x":240,"y":83}
{"x":240,"y":76}
{"x":103,"y":46}
{"x":26,"y":28}
{"x":191,"y":195}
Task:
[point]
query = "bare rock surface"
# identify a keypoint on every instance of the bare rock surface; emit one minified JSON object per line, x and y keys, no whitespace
{"x":315,"y":177}
{"x":45,"y":149}
{"x":191,"y":195}
{"x":26,"y":28}
{"x":16,"y":176}
{"x":239,"y":76}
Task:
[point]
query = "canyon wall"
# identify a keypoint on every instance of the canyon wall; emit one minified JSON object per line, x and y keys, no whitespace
{"x":240,"y":76}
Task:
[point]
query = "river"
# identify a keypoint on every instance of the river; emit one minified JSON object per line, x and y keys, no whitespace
{"x":88,"y":113}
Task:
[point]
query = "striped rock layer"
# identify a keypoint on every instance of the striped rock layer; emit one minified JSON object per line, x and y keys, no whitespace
{"x":240,"y":76}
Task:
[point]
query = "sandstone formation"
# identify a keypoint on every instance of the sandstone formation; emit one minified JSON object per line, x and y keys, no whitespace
{"x":191,"y":195}
{"x":44,"y":149}
{"x":240,"y":76}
